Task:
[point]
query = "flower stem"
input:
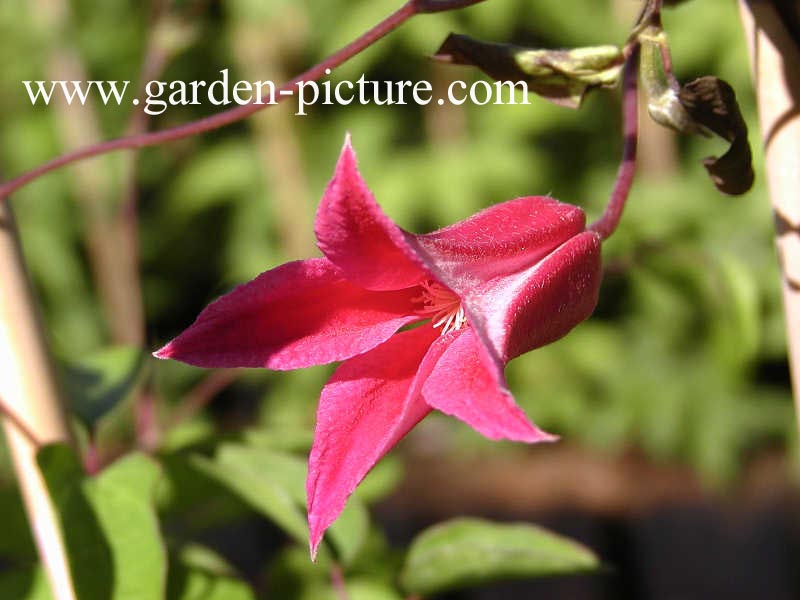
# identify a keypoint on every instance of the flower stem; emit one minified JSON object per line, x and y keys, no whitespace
{"x":337,"y":581}
{"x":609,"y":220}
{"x":142,"y":140}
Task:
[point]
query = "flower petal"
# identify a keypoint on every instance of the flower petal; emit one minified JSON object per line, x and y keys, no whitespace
{"x":487,"y":259}
{"x":466,"y":385}
{"x":356,"y":235}
{"x":299,"y":314}
{"x":538,"y":306}
{"x":368,"y":405}
{"x":500,"y":240}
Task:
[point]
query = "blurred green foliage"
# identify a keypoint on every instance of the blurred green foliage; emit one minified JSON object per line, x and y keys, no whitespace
{"x":684,"y":358}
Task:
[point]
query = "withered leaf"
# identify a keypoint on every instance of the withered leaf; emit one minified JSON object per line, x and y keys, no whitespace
{"x":711,"y":102}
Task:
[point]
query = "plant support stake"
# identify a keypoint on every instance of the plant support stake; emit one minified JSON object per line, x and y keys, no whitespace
{"x":774,"y":57}
{"x":29,"y":393}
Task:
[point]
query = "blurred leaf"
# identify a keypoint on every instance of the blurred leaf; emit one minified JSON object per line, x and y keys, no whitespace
{"x":205,"y":559}
{"x":194,"y":584}
{"x":381,"y":480}
{"x":195,"y":431}
{"x":264,"y":491}
{"x":286,"y":439}
{"x":274,"y":484}
{"x":213,"y":176}
{"x":365,"y":589}
{"x":740,"y":308}
{"x":110,"y":527}
{"x":293,"y":575}
{"x":24,"y":584}
{"x":194,"y":498}
{"x":16,"y":542}
{"x":198,"y":573}
{"x":465,"y":552}
{"x":349,"y":531}
{"x":97,"y":383}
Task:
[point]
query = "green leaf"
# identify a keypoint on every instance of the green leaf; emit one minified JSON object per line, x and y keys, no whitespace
{"x":198,"y":573}
{"x":27,"y":584}
{"x":464,"y":552}
{"x":273,"y":483}
{"x":87,"y":547}
{"x":109,"y":525}
{"x":266,"y":490}
{"x":16,"y":541}
{"x":97,"y":383}
{"x":381,"y":480}
{"x":213,"y":176}
{"x":349,"y":531}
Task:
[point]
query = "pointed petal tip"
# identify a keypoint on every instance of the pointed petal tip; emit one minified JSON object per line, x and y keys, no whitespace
{"x":315,"y":534}
{"x":523,"y":430}
{"x":540,"y":436}
{"x":347,"y":153}
{"x":164,"y":353}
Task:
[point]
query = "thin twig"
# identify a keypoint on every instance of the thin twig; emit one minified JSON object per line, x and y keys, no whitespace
{"x":337,"y":581}
{"x":205,"y":391}
{"x":382,"y":29}
{"x":609,"y":220}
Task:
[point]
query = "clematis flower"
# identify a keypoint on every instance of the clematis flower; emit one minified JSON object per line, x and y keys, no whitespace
{"x":422,"y":322}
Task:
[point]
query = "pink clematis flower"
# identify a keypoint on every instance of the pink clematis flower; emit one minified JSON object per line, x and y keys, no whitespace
{"x":509,"y":279}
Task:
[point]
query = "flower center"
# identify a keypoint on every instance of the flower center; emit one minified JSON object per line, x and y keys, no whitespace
{"x":442,"y":306}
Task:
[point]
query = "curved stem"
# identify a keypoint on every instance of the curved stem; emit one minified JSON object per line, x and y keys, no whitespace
{"x":392,"y":22}
{"x":12,"y":417}
{"x":432,"y":6}
{"x":609,"y":220}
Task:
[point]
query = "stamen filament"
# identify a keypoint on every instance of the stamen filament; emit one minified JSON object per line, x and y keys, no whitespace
{"x":442,"y":306}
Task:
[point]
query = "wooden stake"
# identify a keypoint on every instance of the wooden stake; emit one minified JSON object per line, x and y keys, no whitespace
{"x":29,"y":392}
{"x":775,"y":61}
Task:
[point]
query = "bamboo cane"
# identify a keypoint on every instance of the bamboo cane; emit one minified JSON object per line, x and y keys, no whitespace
{"x":31,"y":403}
{"x":775,"y":61}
